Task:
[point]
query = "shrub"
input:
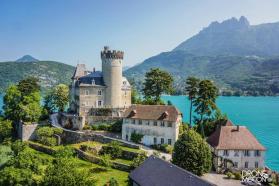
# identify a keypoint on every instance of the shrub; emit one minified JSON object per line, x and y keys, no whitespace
{"x":113,"y":149}
{"x":163,"y":147}
{"x":94,"y":127}
{"x":105,"y":161}
{"x":229,"y":175}
{"x":5,"y":130}
{"x":116,"y":126}
{"x":112,"y":182}
{"x":192,"y":153}
{"x":45,"y":135}
{"x":138,"y":160}
{"x":136,"y":138}
{"x":104,"y":127}
{"x":86,"y":127}
{"x":237,"y":175}
{"x":64,"y":152}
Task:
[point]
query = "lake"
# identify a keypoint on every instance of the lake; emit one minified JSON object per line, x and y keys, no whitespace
{"x":259,"y":114}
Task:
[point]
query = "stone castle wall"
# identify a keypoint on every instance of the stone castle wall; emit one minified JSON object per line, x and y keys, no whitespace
{"x":26,"y":132}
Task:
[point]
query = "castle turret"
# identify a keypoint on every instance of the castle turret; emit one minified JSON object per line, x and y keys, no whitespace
{"x":112,"y":74}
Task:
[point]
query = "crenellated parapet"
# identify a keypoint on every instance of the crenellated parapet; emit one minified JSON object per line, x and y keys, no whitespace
{"x":111,"y":54}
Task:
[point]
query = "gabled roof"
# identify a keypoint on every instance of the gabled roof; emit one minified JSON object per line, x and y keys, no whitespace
{"x":153,"y":112}
{"x":234,"y":138}
{"x":157,"y":172}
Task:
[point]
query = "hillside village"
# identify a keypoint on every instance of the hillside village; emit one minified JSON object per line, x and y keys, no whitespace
{"x":111,"y":127}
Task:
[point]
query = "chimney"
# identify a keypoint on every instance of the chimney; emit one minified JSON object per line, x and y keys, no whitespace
{"x":237,"y":127}
{"x":94,"y":69}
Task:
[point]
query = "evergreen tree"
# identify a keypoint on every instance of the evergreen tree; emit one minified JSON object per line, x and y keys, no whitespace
{"x":192,"y":153}
{"x":205,"y":103}
{"x":192,"y":85}
{"x":156,"y":83}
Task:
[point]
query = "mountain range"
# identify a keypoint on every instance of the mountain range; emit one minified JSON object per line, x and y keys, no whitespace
{"x":49,"y":73}
{"x":242,"y":59}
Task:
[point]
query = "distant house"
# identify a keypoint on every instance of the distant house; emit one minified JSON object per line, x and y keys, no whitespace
{"x":236,"y":147}
{"x":159,"y":124}
{"x":157,"y":172}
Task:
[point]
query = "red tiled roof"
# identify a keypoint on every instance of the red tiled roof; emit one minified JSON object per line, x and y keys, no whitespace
{"x":153,"y":112}
{"x":229,"y":138}
{"x":229,"y":123}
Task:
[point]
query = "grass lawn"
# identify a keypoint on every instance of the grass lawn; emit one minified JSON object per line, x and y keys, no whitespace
{"x":98,"y":144}
{"x":99,"y":173}
{"x":3,"y":153}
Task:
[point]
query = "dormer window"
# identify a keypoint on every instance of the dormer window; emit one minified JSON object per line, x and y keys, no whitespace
{"x":93,"y":82}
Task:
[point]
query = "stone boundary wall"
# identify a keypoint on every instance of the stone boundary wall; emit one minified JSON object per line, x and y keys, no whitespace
{"x":80,"y":154}
{"x":91,"y":120}
{"x":70,"y":137}
{"x":94,"y":159}
{"x":41,"y":148}
{"x":71,"y":121}
{"x":26,"y":132}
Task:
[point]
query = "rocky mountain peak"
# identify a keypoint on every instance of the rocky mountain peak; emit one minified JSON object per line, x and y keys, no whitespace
{"x":27,"y":58}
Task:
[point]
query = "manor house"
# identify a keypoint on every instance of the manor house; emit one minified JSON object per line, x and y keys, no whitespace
{"x":100,"y":89}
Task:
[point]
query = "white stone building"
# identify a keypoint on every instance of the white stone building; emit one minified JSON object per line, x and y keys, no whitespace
{"x":235,"y":147}
{"x":159,"y":124}
{"x":96,"y":89}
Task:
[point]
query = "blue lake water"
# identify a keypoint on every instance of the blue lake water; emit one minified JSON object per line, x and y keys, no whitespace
{"x":259,"y":114}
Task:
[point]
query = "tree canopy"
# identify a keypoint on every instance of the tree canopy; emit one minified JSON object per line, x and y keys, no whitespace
{"x":22,"y":101}
{"x":205,"y":102}
{"x":57,"y":98}
{"x":156,"y":83}
{"x":192,"y":153}
{"x":192,"y":88}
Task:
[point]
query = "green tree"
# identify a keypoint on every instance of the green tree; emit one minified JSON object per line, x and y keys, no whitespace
{"x":136,"y":137}
{"x":58,"y":98}
{"x":113,"y":149}
{"x":29,"y":85}
{"x":192,"y":88}
{"x":11,"y":102}
{"x":49,"y":105}
{"x":205,"y":103}
{"x":22,"y":101}
{"x":112,"y":182}
{"x":30,"y":108}
{"x":64,"y":172}
{"x":6,"y":130}
{"x":11,"y":176}
{"x":156,"y":83}
{"x":138,"y":160}
{"x":192,"y":153}
{"x":135,"y":96}
{"x":46,"y":135}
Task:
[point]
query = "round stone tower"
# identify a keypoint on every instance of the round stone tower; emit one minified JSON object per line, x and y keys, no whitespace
{"x":112,"y":74}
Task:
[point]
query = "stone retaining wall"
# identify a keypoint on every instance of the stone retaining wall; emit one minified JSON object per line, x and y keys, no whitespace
{"x":26,"y":131}
{"x":97,"y":160}
{"x":71,"y":137}
{"x":80,"y":154}
{"x":93,"y":120}
{"x":71,"y":121}
{"x":41,"y":148}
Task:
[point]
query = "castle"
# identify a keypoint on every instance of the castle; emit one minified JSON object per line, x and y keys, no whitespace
{"x":95,"y":89}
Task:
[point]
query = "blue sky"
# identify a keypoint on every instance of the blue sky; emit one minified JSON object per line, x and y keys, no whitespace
{"x":72,"y":31}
